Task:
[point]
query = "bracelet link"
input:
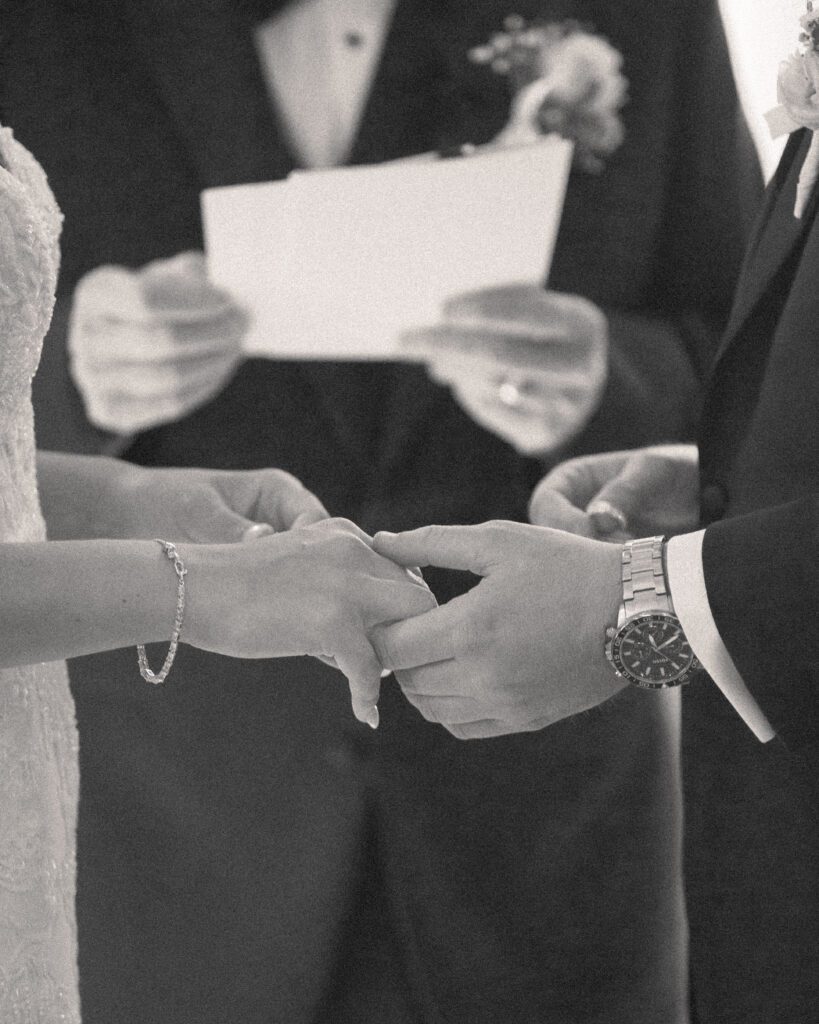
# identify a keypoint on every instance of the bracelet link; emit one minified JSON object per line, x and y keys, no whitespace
{"x":181,"y":572}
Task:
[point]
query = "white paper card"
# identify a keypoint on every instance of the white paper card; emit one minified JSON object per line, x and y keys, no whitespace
{"x":336,"y":264}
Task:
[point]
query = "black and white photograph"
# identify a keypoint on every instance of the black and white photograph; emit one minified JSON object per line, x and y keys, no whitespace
{"x":409,"y":512}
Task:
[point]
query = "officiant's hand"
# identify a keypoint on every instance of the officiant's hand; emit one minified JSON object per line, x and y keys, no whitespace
{"x":148,"y":346}
{"x":618,"y":495}
{"x":522,"y":649}
{"x":317,"y":590}
{"x":527,"y":364}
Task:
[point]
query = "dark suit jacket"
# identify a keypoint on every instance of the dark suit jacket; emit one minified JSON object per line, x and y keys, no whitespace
{"x":226,"y":819}
{"x":135,"y":107}
{"x":752,"y":842}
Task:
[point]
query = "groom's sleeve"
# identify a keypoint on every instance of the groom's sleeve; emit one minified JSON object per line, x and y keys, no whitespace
{"x":686,"y":582}
{"x":761,"y":573}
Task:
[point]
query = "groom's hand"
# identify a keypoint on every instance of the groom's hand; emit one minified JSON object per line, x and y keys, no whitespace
{"x":522,"y":649}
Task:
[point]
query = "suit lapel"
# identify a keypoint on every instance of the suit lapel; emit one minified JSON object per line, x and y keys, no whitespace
{"x":207,"y":73}
{"x":775,"y":235}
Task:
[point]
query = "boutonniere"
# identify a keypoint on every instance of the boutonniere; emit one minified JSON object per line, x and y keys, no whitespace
{"x":565,"y":80}
{"x":797,"y":90}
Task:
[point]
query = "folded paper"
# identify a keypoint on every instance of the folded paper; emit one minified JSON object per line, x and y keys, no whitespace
{"x":337,"y":264}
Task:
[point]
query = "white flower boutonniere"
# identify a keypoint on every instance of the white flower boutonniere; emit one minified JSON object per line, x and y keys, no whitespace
{"x":798,"y":93}
{"x":566,"y":81}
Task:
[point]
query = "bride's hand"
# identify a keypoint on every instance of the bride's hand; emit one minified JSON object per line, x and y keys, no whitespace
{"x":91,"y":496}
{"x":213,"y":506}
{"x":317,"y":590}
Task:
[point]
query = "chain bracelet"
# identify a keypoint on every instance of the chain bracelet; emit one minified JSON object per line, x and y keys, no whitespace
{"x":179,"y":568}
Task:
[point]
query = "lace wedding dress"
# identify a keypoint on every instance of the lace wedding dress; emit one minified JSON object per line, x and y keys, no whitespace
{"x":38,"y":739}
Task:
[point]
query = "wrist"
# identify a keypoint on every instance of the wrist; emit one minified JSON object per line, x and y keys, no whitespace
{"x":79,"y":495}
{"x":120,"y":502}
{"x":608,"y":601}
{"x":248,"y":599}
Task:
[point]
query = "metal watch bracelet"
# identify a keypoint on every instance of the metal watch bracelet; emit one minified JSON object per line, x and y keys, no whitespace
{"x":643,"y":578}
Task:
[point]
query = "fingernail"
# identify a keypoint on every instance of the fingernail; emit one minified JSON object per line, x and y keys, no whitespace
{"x":258,"y":530}
{"x":371,"y":717}
{"x":384,"y":673}
{"x":606,"y":517}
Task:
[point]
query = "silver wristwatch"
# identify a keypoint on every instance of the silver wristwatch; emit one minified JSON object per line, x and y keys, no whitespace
{"x":648,"y":647}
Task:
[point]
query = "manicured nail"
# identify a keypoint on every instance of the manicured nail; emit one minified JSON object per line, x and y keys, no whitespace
{"x":372,"y":718}
{"x":258,"y":530}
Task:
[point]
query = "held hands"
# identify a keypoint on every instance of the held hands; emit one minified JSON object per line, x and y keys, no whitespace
{"x":316,"y":590}
{"x":619,"y":495}
{"x":527,"y":364}
{"x":307,"y":585}
{"x":149,"y":345}
{"x":522,"y":649}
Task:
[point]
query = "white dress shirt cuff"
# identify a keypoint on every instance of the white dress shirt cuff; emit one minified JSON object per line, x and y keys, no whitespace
{"x":686,"y":582}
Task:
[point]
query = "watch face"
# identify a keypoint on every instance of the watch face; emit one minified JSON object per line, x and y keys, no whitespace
{"x":651,"y":650}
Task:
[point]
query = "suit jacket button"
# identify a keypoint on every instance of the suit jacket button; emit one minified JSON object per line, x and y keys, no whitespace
{"x":713,"y":502}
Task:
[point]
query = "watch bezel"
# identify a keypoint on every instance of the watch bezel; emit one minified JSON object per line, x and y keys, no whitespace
{"x":615,"y":636}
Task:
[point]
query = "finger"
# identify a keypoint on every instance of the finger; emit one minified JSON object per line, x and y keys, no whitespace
{"x":363,"y":671}
{"x":623,"y":496}
{"x":451,"y":547}
{"x":335,"y":524}
{"x":385,"y":602}
{"x":559,"y":500}
{"x":437,"y":679}
{"x":550,"y":508}
{"x":529,"y":309}
{"x":580,"y":479}
{"x":572,"y":485}
{"x":488,"y":727}
{"x":285,"y":502}
{"x":458,"y":350}
{"x":392,"y":601}
{"x":447,"y":711}
{"x":421,"y":640}
{"x":606,"y":518}
{"x":180,"y":283}
{"x":310,"y":517}
{"x":484,"y":729}
{"x":226,"y":526}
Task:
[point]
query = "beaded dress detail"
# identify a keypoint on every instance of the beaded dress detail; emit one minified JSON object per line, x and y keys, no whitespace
{"x":38,"y":736}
